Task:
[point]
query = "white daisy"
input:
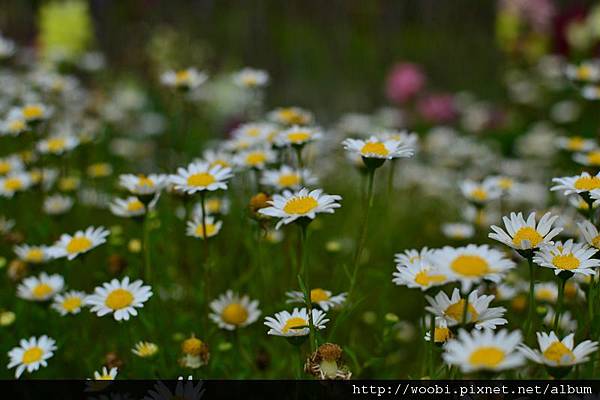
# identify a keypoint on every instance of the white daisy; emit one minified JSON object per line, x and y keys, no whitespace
{"x":404,"y":137}
{"x":195,"y":228}
{"x":379,"y":149}
{"x":545,"y":292}
{"x":81,"y":242}
{"x":472,"y":263}
{"x":106,"y":374}
{"x":143,"y":185}
{"x":566,"y":323}
{"x":441,"y":333}
{"x":35,"y":112}
{"x":295,"y":323}
{"x":590,"y":158}
{"x":321,"y":297}
{"x":480,"y":193}
{"x":14,"y":182}
{"x":291,"y":116}
{"x":302,"y":204}
{"x":479,"y":311}
{"x":484,"y":350}
{"x":576,"y":143}
{"x":458,"y":231}
{"x":69,"y":302}
{"x":31,"y":354}
{"x":571,"y":257}
{"x":525,"y":235}
{"x":14,"y":124}
{"x":119,"y":298}
{"x":250,"y":78}
{"x":144,"y":349}
{"x":298,"y":136}
{"x":559,"y":353}
{"x":410,"y":256}
{"x":185,"y":79}
{"x":33,"y":254}
{"x":591,"y":92}
{"x":287,"y":177}
{"x":580,"y":184}
{"x":420,"y":274}
{"x":129,"y":207}
{"x":257,"y":158}
{"x":200,"y":176}
{"x":217,"y":157}
{"x":214,"y":206}
{"x":10,"y":164}
{"x":231,"y":311}
{"x":589,"y":233}
{"x":584,"y":72}
{"x":57,"y":204}
{"x":40,"y":288}
{"x":58,"y":144}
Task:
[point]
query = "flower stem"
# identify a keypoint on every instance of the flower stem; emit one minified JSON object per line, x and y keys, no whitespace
{"x":431,"y":344}
{"x":465,"y":310}
{"x":146,"y":245}
{"x":561,"y":299}
{"x":531,"y":314}
{"x":303,"y":281}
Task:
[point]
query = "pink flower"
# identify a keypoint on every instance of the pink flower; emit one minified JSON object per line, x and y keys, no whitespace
{"x":437,"y":108}
{"x":404,"y":81}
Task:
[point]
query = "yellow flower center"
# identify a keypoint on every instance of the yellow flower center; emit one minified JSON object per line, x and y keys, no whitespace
{"x":35,"y":255}
{"x":213,"y":206}
{"x":56,"y":144}
{"x":234,"y":314}
{"x":192,"y":346}
{"x":298,"y":137}
{"x":135,"y":206}
{"x":545,"y":294}
{"x":68,"y":184}
{"x":441,"y":334}
{"x":559,"y":353}
{"x":456,"y":310}
{"x":256,"y":158}
{"x":317,"y":295}
{"x":487,"y":357}
{"x":41,"y":291}
{"x":375,"y":148}
{"x":587,"y":183}
{"x":99,"y":170}
{"x":294,"y":323}
{"x":289,"y":180}
{"x":13,"y":184}
{"x":575,"y":143}
{"x":71,"y":304}
{"x":118,"y":299}
{"x":146,"y":349}
{"x":249,"y":80}
{"x":300,"y":205}
{"x":505,"y":183}
{"x":423,"y":278}
{"x":220,"y":162}
{"x":31,"y":355}
{"x":200,"y":179}
{"x":593,"y":157}
{"x":79,"y":244}
{"x":16,"y":125}
{"x":290,"y":116}
{"x":253,"y":132}
{"x":470,"y":265}
{"x":143,"y":180}
{"x":584,"y":72}
{"x":182,"y":76}
{"x":565,"y":261}
{"x":479,"y":194}
{"x":5,"y":167}
{"x":32,"y":112}
{"x":529,"y":234}
{"x":211,"y":230}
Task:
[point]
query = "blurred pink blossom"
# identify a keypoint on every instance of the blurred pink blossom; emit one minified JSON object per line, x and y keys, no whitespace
{"x":537,"y":13}
{"x":437,"y":108}
{"x":404,"y":81}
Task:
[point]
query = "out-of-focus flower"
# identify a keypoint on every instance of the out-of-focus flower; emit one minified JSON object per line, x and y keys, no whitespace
{"x":404,"y":82}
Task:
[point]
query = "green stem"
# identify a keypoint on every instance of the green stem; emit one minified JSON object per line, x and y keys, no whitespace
{"x":146,"y":245}
{"x":391,"y":173}
{"x":431,"y":345}
{"x":465,"y":310}
{"x":561,"y":299}
{"x":303,"y":280}
{"x":531,"y":315}
{"x":299,"y":157}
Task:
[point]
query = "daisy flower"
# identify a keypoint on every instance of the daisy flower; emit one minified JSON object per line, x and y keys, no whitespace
{"x":554,"y":352}
{"x":576,"y":143}
{"x":214,"y":206}
{"x":99,"y":170}
{"x":195,"y":228}
{"x":217,"y":157}
{"x":129,"y":207}
{"x":410,"y":256}
{"x":185,"y":79}
{"x":458,"y":231}
{"x":580,"y":184}
{"x":257,"y":158}
{"x":302,"y":204}
{"x":325,"y":363}
{"x":287,"y":177}
{"x":119,"y":298}
{"x":144,"y":349}
{"x":7,"y":48}
{"x":200,"y":176}
{"x":295,"y":323}
{"x":404,"y":137}
{"x":546,"y":292}
{"x":298,"y":136}
{"x":57,"y":204}
{"x":571,"y":257}
{"x":480,"y":193}
{"x":14,"y":124}
{"x":254,"y":134}
{"x":250,"y":78}
{"x":442,"y":333}
{"x":31,"y":354}
{"x":378,"y":149}
{"x":591,"y":92}
{"x":323,"y":298}
{"x":231,"y":311}
{"x":142,"y":185}
{"x":195,"y":353}
{"x":291,"y":116}
{"x":484,"y":350}
{"x":591,"y":158}
{"x":525,"y":235}
{"x":584,"y":72}
{"x":14,"y":182}
{"x":40,"y":288}
{"x":10,"y":164}
{"x":472,"y":263}
{"x":69,"y":302}
{"x":589,"y":233}
{"x":479,"y":311}
{"x":80,"y":243}
{"x":106,"y":374}
{"x":58,"y":144}
{"x":35,"y":112}
{"x":420,"y":274}
{"x":566,"y":323}
{"x":33,"y":254}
